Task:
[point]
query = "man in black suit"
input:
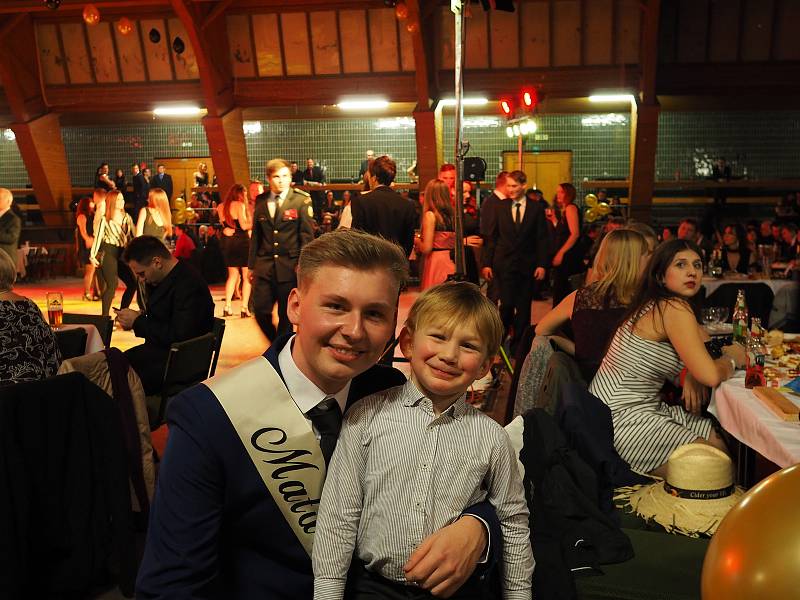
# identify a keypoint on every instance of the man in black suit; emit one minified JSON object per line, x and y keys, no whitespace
{"x":382,"y":211}
{"x":282,"y":224}
{"x":488,"y":218}
{"x":516,"y":253}
{"x":297,"y":174}
{"x":163,"y":180}
{"x":140,"y":190}
{"x":179,"y":307}
{"x":365,"y":164}
{"x":315,"y":175}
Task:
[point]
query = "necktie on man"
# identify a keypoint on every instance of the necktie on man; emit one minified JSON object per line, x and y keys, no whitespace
{"x":327,"y":419}
{"x":517,"y":217}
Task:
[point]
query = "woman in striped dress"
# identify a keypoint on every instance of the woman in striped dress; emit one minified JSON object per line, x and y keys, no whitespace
{"x":659,"y":336}
{"x":113,"y":233}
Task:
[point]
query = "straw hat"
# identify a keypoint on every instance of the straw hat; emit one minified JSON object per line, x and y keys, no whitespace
{"x":696,"y":494}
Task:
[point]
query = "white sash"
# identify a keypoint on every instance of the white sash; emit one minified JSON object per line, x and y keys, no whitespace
{"x":278,"y":439}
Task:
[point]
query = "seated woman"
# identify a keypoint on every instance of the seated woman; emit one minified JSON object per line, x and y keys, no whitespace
{"x":736,"y":255}
{"x":28,"y":348}
{"x":595,"y":310}
{"x":659,"y":335}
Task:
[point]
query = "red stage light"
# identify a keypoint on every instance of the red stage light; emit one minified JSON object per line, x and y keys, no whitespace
{"x":529,"y":98}
{"x":505,"y":106}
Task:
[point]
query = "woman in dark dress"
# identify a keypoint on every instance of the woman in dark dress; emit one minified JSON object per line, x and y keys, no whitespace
{"x":201,"y":175}
{"x":84,"y":237}
{"x":568,"y":257}
{"x":735,"y":251}
{"x":595,"y":309}
{"x":119,"y":180}
{"x":235,"y":242}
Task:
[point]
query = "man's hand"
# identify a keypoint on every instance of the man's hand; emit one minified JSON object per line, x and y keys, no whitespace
{"x":446,"y":558}
{"x":695,"y":395}
{"x":475,"y":241}
{"x":126,"y":317}
{"x":539,"y":273}
{"x":486,"y":273}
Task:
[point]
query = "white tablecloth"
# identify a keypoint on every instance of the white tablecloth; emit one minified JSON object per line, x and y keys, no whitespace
{"x":746,"y":418}
{"x":94,"y":343}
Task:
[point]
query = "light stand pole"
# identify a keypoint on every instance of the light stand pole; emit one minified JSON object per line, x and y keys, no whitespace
{"x":461,"y":148}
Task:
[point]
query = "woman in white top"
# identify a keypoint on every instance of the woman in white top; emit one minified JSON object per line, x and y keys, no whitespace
{"x":113,"y":234}
{"x":659,"y":336}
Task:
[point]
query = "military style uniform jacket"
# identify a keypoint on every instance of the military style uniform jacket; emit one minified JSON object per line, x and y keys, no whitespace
{"x":277,"y":241}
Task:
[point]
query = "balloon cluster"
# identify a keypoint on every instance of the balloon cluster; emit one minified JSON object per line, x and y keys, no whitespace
{"x":595,"y":210}
{"x":182,"y":213}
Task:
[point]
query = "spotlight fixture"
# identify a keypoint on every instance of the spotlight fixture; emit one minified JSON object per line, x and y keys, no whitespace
{"x":506,"y":107}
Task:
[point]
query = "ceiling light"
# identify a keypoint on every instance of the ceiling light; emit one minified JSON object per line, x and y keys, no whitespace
{"x":471,"y":101}
{"x":363,"y":103}
{"x":251,"y":127}
{"x":611,"y":98}
{"x":9,"y":135}
{"x":177,"y":111}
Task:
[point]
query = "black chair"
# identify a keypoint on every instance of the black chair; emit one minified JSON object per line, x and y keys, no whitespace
{"x":105,"y":325}
{"x":218,"y":330}
{"x":71,"y":342}
{"x":188,"y":363}
{"x":758,"y":297}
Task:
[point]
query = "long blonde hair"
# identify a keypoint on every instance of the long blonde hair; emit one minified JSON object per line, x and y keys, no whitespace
{"x":617,"y":264}
{"x":157,"y":200}
{"x":437,"y":200}
{"x":111,"y":204}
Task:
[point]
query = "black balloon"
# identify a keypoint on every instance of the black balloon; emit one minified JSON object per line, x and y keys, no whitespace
{"x":154,"y":35}
{"x":52,"y":4}
{"x":178,"y":45}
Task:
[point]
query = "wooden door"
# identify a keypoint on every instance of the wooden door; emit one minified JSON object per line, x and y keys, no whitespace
{"x":545,"y":170}
{"x":182,"y":171}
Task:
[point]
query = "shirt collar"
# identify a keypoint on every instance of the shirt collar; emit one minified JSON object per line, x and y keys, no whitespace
{"x":521,"y":201}
{"x":500,"y":195}
{"x":277,"y":197}
{"x":305,"y":394}
{"x":412,"y":396}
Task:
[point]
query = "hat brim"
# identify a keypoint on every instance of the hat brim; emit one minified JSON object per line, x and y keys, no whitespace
{"x":680,"y":515}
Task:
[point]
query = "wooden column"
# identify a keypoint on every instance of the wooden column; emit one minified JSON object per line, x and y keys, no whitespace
{"x":38,"y":131}
{"x":430,"y":153}
{"x":228,"y":149}
{"x":644,"y":138}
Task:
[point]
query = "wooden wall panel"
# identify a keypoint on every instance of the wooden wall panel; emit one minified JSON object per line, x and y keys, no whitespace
{"x":268,"y":45}
{"x":50,"y":59}
{"x":185,"y":62}
{"x":447,"y":38}
{"x":723,"y":45}
{"x":156,"y":55}
{"x":786,"y":46}
{"x":598,"y":32}
{"x":129,"y":50}
{"x":535,"y":39}
{"x":383,"y":39}
{"x":667,"y":33}
{"x":325,"y":42}
{"x":239,"y":41}
{"x":566,"y":40}
{"x":692,"y":29}
{"x":406,"y":49}
{"x":295,"y":44}
{"x":756,"y":36}
{"x":78,"y":63}
{"x":353,"y":27}
{"x":102,"y":53}
{"x":628,"y":32}
{"x":504,"y":38}
{"x":477,"y":44}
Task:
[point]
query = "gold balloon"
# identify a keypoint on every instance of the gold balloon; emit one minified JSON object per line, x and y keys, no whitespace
{"x":756,"y":550}
{"x":189,"y":215}
{"x":590,"y":215}
{"x":179,"y":211}
{"x":91,"y":15}
{"x":590,"y":200}
{"x":602,"y":209}
{"x":124,"y":26}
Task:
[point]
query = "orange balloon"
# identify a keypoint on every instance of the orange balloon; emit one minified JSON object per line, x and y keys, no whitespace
{"x":124,"y":26}
{"x":756,"y":550}
{"x":411,"y":26}
{"x":91,"y":15}
{"x":401,"y":10}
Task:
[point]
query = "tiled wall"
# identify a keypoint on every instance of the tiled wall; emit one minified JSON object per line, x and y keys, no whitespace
{"x":767,"y":143}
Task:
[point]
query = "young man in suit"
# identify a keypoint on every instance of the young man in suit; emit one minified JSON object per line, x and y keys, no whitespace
{"x":382,"y":211}
{"x":179,"y":307}
{"x":282,"y":225}
{"x":515,"y":253}
{"x":235,"y":510}
{"x":163,"y":180}
{"x":488,"y":218}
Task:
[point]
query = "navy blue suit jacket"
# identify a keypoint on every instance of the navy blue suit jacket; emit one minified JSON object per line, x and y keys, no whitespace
{"x":215,"y":531}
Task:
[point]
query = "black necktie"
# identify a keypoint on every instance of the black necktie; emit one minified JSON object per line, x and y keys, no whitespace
{"x":517,"y":219}
{"x":327,"y":419}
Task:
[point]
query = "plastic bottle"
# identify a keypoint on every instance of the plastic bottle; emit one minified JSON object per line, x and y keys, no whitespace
{"x":740,"y":318}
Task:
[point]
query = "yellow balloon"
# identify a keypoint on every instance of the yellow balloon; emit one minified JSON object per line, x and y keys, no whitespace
{"x":590,"y":215}
{"x":603,"y":209}
{"x":180,"y":204}
{"x":190,"y":215}
{"x":756,"y":550}
{"x":590,"y":200}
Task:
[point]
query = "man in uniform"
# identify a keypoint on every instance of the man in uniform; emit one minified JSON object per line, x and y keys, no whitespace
{"x":282,"y":224}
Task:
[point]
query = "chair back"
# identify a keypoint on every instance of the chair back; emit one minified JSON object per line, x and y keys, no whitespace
{"x":105,"y":325}
{"x":218,"y":330}
{"x":71,"y":342}
{"x":188,"y":364}
{"x":561,"y":370}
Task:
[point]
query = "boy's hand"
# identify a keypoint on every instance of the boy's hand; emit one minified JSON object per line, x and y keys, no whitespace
{"x":446,"y":558}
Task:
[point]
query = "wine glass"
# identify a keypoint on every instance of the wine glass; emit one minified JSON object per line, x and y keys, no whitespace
{"x":709,"y":316}
{"x":722,"y":314}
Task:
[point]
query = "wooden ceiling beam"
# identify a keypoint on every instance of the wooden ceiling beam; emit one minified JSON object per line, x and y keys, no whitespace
{"x":399,"y":87}
{"x":424,"y":52}
{"x":722,"y":79}
{"x":649,"y":51}
{"x":126,"y":97}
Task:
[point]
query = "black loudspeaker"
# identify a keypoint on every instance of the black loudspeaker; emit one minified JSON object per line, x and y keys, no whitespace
{"x":474,"y":169}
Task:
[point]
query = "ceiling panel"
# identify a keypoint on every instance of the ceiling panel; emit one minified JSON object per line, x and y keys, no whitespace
{"x":129,"y":50}
{"x":504,"y":37}
{"x":406,"y":49}
{"x":157,"y":54}
{"x":325,"y":42}
{"x":628,"y":32}
{"x":103,"y":56}
{"x":535,"y":40}
{"x":724,"y":35}
{"x":50,"y":58}
{"x":241,"y":46}
{"x":353,"y":26}
{"x":567,"y":29}
{"x":788,"y":24}
{"x":295,"y":43}
{"x":383,"y":40}
{"x":186,"y":62}
{"x":266,"y":36}
{"x":78,"y":64}
{"x":598,"y":32}
{"x":757,"y":32}
{"x":477,"y":47}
